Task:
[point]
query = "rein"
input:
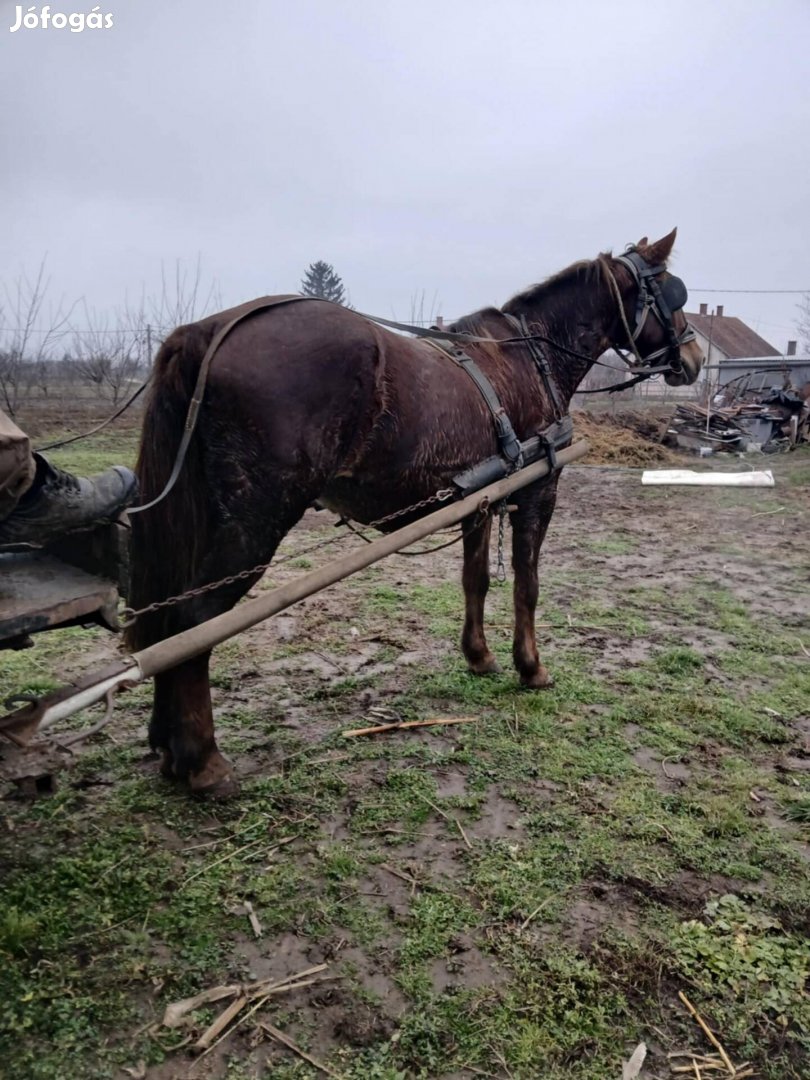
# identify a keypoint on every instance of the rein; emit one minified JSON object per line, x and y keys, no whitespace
{"x":98,"y":427}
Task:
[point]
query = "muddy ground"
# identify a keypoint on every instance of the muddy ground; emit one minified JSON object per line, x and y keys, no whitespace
{"x":520,"y":896}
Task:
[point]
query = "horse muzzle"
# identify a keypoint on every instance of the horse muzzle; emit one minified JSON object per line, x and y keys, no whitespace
{"x":678,"y":375}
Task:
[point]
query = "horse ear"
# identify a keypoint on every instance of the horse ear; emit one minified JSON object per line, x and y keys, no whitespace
{"x":661,"y":250}
{"x":643,"y":242}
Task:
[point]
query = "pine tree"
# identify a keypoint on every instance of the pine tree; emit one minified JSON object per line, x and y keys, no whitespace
{"x":322,"y":281}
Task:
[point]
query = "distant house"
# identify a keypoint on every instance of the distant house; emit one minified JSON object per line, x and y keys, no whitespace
{"x":734,"y":350}
{"x":725,"y":337}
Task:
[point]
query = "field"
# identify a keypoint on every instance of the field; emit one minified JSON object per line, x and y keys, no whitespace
{"x":522,"y":896}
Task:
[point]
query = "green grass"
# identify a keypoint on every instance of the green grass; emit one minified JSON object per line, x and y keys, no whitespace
{"x":524,"y":895}
{"x":97,"y":453}
{"x":619,"y":544}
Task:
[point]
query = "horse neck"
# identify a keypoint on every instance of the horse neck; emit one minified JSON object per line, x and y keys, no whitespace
{"x":576,"y":315}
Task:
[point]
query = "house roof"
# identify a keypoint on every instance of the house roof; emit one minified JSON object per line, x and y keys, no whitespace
{"x":731,"y":336}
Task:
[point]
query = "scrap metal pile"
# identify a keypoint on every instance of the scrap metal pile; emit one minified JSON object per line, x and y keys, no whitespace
{"x":738,"y":420}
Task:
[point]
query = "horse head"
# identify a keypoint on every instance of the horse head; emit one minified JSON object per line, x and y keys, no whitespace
{"x":650,"y":320}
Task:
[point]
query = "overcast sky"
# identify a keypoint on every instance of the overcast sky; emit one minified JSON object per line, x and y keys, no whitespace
{"x":457,"y":147}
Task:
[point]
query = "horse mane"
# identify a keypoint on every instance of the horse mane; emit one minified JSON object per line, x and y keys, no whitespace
{"x":475,"y":322}
{"x":584,"y":272}
{"x":486,"y":323}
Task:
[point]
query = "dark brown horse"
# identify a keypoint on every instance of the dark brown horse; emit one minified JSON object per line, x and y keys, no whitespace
{"x":311,"y":401}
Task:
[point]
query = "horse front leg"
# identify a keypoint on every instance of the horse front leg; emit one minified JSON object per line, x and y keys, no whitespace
{"x":475,"y":578}
{"x":183,"y":728}
{"x":529,"y":525}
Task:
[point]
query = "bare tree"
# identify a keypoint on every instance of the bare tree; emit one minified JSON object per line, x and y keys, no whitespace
{"x":37,"y":375}
{"x":108,"y":356}
{"x":9,"y":380}
{"x":423,"y":313}
{"x":107,"y":352}
{"x":184,"y":297}
{"x":29,"y":337}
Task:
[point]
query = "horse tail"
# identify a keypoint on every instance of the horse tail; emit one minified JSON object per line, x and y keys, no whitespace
{"x":169,"y":539}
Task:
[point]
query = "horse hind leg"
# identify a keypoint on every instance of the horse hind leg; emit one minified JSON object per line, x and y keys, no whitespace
{"x":475,"y":579}
{"x":183,"y":728}
{"x":182,"y":724}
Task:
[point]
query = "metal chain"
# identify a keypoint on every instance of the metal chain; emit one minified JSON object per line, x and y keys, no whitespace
{"x":130,"y":615}
{"x":500,"y":573}
{"x":481,"y":516}
{"x":442,"y":495}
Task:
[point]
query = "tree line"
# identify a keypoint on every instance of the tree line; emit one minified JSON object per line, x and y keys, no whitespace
{"x":49,"y":349}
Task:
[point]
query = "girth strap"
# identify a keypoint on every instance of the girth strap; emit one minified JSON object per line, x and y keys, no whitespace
{"x":544,"y":445}
{"x":508,"y":441}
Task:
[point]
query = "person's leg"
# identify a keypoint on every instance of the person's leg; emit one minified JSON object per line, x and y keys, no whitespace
{"x":39,"y":502}
{"x":17,"y":465}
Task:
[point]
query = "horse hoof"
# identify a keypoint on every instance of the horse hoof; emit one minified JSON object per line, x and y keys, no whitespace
{"x":216,"y":780}
{"x":541,"y":680}
{"x":167,"y":766}
{"x":488,"y":666}
{"x":221,"y":791}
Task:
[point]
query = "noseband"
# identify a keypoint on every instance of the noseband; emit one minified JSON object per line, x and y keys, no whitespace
{"x":663,"y":300}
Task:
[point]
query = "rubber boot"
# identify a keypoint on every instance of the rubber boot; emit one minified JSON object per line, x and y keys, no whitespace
{"x":59,"y":502}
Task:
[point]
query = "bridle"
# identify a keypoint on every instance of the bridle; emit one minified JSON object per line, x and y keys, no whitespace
{"x":663,"y":300}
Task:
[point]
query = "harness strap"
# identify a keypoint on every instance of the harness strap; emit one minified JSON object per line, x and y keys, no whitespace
{"x":508,"y":441}
{"x":540,"y":362}
{"x":669,"y":324}
{"x":651,"y":298}
{"x":432,"y":333}
{"x":99,"y":427}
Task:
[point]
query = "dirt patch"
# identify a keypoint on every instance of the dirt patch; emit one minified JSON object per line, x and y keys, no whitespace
{"x":615,"y":653}
{"x":437,"y":853}
{"x":466,"y":966}
{"x":687,"y":892}
{"x":500,"y":819}
{"x":451,"y":783}
{"x":338,"y":661}
{"x":669,"y":774}
{"x":602,"y":906}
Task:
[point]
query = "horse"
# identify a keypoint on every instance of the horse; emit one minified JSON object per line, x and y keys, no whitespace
{"x":313,"y":402}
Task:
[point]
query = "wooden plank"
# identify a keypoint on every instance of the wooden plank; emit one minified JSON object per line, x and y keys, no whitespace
{"x":39,"y":592}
